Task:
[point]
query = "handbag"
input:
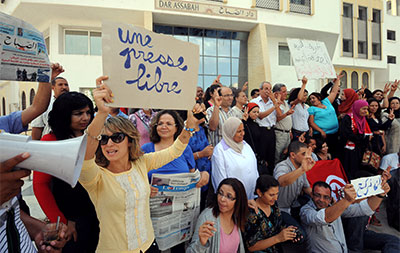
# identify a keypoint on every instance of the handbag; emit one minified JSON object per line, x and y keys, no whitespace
{"x":371,"y":159}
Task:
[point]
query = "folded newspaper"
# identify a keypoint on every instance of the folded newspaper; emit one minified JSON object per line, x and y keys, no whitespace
{"x":175,"y":208}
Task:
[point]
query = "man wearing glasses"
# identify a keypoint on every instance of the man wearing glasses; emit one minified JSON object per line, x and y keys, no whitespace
{"x":323,"y":222}
{"x":218,"y":113}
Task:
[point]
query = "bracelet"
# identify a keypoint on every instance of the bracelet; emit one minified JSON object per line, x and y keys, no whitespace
{"x":98,"y":137}
{"x":380,"y":196}
{"x":190,"y":130}
{"x":197,"y":154}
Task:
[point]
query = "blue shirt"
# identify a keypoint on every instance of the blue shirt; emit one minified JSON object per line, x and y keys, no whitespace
{"x":181,"y":164}
{"x":197,"y":143}
{"x":326,"y":118}
{"x":12,"y":123}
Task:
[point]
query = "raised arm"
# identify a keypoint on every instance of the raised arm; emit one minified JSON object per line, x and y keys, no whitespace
{"x":42,"y":98}
{"x":335,"y":89}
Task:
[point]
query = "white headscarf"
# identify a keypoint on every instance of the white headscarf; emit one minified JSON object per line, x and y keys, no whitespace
{"x":228,"y":132}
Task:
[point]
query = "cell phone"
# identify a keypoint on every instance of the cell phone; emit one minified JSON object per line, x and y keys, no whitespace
{"x":199,"y":115}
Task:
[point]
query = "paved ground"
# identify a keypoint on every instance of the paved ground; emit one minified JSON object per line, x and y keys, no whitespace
{"x":37,"y":212}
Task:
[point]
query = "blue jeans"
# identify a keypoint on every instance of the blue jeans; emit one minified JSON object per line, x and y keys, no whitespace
{"x":358,"y":238}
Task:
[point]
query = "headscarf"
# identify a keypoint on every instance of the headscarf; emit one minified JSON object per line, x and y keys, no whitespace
{"x":351,"y":97}
{"x":395,"y":112}
{"x":250,"y":106}
{"x":360,"y":120}
{"x":228,"y":132}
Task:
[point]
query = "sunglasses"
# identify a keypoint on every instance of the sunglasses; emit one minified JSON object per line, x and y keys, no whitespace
{"x":116,"y":138}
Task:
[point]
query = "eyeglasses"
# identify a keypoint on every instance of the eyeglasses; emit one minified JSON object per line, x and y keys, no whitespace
{"x":229,"y":197}
{"x":116,"y":138}
{"x":325,"y":197}
{"x":168,"y":124}
{"x":227,"y":95}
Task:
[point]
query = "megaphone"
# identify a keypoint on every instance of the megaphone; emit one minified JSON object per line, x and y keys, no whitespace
{"x":61,"y":159}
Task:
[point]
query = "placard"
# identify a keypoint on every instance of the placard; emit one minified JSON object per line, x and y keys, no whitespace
{"x":23,"y":53}
{"x":311,"y":59}
{"x":149,"y":70}
{"x":367,"y":186}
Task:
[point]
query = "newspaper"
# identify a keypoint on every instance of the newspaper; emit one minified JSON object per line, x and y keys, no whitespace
{"x":23,"y":52}
{"x":175,"y":208}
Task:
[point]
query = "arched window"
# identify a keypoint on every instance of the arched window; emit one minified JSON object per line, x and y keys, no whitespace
{"x":365,"y":79}
{"x":343,"y":81}
{"x":23,"y":100}
{"x":4,"y":106}
{"x":31,"y":96}
{"x":354,"y":80}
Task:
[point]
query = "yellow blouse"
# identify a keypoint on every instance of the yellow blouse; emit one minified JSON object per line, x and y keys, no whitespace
{"x":122,"y":200}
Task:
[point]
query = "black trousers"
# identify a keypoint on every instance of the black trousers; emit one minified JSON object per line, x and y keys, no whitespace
{"x":269,"y":140}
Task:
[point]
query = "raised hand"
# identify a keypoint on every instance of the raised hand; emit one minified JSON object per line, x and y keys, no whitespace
{"x":349,"y":193}
{"x":102,"y":94}
{"x":291,"y":110}
{"x":245,"y":114}
{"x":206,"y":231}
{"x":217,"y":81}
{"x":245,"y":86}
{"x":302,"y":137}
{"x":391,"y":114}
{"x":56,"y":69}
{"x":394,"y":86}
{"x":307,"y":162}
{"x":386,"y":89}
{"x":304,"y":80}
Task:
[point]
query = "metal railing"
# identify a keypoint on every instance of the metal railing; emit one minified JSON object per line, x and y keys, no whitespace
{"x":268,"y":4}
{"x":300,"y":6}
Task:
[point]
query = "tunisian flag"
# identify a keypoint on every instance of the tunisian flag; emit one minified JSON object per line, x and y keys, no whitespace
{"x":331,"y":172}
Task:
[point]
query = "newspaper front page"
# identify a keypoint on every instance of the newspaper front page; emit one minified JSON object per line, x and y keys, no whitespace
{"x":175,"y":208}
{"x":23,"y":53}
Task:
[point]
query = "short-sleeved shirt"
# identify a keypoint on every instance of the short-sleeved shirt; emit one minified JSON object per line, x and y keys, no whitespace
{"x":43,"y":119}
{"x":326,"y":118}
{"x":214,"y":137}
{"x":390,"y":160}
{"x":182,"y":164}
{"x":300,"y":118}
{"x":270,"y":120}
{"x":285,"y":123}
{"x":12,"y":123}
{"x":288,"y":194}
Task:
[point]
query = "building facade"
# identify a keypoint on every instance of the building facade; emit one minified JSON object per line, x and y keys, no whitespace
{"x":241,"y":40}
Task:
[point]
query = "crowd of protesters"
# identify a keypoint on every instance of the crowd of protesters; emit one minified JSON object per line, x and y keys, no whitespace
{"x":253,"y":157}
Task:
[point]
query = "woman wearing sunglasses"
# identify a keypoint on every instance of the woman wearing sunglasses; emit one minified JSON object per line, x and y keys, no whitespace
{"x":218,"y":228}
{"x":117,"y":180}
{"x":71,"y":114}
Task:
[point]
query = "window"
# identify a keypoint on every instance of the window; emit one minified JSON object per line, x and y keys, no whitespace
{"x":82,"y":42}
{"x":391,"y":59}
{"x":221,"y":53}
{"x":347,"y":46}
{"x":391,"y":35}
{"x":31,"y":96}
{"x":268,"y":4}
{"x":343,"y":81}
{"x":284,"y":55}
{"x":301,"y":6}
{"x":362,"y":47}
{"x":362,"y":13}
{"x":365,"y":79}
{"x":354,"y":80}
{"x":23,"y":100}
{"x":376,"y":50}
{"x":389,"y":6}
{"x":347,"y":10}
{"x":376,"y":16}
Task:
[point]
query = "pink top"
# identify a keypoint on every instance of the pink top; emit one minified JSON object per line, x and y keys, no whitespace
{"x":229,"y":243}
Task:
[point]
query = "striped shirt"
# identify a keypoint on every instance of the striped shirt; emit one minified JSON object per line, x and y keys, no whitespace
{"x":26,"y":244}
{"x":214,"y":137}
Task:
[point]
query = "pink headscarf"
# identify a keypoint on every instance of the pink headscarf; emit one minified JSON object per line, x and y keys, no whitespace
{"x":360,"y":120}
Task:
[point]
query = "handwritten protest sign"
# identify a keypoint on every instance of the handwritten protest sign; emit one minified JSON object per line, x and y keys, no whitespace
{"x":311,"y":59}
{"x":149,"y":70}
{"x":367,"y":186}
{"x":23,"y":53}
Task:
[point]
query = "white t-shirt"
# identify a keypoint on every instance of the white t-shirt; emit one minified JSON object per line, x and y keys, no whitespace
{"x":390,"y":160}
{"x":43,"y":119}
{"x":270,"y":120}
{"x":228,"y":163}
{"x":300,"y":118}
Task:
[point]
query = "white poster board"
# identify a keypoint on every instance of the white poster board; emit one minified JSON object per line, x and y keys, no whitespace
{"x":149,"y":70}
{"x":367,"y":186}
{"x":23,"y":53}
{"x":311,"y":59}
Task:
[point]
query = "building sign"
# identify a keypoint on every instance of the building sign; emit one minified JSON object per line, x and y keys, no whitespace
{"x":205,"y":8}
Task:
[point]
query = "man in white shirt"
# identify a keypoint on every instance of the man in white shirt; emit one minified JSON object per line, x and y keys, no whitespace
{"x":40,"y":125}
{"x":284,"y":121}
{"x":267,"y":121}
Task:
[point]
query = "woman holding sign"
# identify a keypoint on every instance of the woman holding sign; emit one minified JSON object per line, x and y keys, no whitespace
{"x":115,"y":175}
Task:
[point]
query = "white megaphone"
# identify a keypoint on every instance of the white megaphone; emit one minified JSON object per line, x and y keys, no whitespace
{"x":61,"y":159}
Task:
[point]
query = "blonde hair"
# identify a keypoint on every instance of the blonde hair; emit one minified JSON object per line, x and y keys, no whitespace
{"x":120,"y":125}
